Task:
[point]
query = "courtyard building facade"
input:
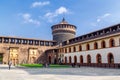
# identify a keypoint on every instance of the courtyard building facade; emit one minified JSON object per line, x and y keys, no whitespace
{"x":96,"y":49}
{"x":100,"y":48}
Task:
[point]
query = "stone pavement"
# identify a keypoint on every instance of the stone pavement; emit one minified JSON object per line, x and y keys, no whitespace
{"x":82,"y":73}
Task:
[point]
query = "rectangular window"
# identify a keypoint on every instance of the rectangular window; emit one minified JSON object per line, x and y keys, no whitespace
{"x":31,"y":42}
{"x":6,"y":40}
{"x":51,"y":43}
{"x":24,"y":41}
{"x":0,"y":39}
{"x":36,"y":42}
{"x":42,"y":43}
{"x":47,"y":43}
{"x":18,"y":41}
{"x":12,"y":40}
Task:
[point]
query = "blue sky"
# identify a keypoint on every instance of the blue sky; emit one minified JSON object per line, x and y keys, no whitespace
{"x":34,"y":18}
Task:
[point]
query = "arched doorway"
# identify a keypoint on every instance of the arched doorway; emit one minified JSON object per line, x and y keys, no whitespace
{"x":88,"y":59}
{"x":110,"y":58}
{"x":69,"y":59}
{"x":1,"y":58}
{"x":49,"y":60}
{"x":98,"y":58}
{"x":65,"y":60}
{"x":75,"y":59}
{"x":81,"y":59}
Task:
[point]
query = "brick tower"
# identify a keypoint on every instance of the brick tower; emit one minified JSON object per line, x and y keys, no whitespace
{"x":63,"y":31}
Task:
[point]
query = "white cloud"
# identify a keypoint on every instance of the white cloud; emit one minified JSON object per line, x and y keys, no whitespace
{"x":27,"y":19}
{"x":103,"y":17}
{"x":26,"y":16}
{"x":37,"y":4}
{"x":59,"y":11}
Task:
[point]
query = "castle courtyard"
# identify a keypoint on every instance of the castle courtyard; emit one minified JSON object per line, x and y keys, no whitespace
{"x":82,"y":73}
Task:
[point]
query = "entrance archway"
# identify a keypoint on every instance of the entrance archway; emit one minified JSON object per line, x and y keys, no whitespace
{"x":65,"y":60}
{"x":81,"y":59}
{"x":75,"y":59}
{"x":110,"y":58}
{"x":1,"y":58}
{"x":88,"y":59}
{"x":69,"y":59}
{"x":49,"y":59}
{"x":98,"y":58}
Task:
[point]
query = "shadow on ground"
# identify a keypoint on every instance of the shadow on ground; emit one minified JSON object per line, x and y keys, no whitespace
{"x":83,"y":71}
{"x":6,"y":67}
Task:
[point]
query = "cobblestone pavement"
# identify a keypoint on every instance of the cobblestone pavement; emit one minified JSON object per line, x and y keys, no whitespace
{"x":83,"y":73}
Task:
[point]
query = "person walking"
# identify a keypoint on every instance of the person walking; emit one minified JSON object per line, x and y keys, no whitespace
{"x":9,"y":64}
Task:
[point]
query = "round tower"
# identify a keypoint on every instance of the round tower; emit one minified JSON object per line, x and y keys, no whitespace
{"x":63,"y":31}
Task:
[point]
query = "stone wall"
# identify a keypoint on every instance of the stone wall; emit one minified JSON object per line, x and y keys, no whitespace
{"x":23,"y":53}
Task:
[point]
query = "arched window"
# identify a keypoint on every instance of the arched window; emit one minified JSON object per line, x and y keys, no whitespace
{"x":49,"y":59}
{"x":74,"y":49}
{"x":62,"y":50}
{"x":80,"y":48}
{"x":69,"y":49}
{"x":95,"y":45}
{"x":110,"y":58}
{"x":88,"y":59}
{"x":75,"y":59}
{"x":87,"y":47}
{"x":59,"y":51}
{"x":98,"y":58}
{"x":65,"y":60}
{"x":111,"y":43}
{"x":69,"y":59}
{"x":65,"y":50}
{"x":81,"y":59}
{"x":103,"y":44}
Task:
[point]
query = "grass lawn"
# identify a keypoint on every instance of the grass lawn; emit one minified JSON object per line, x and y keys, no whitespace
{"x":32,"y":65}
{"x":59,"y":66}
{"x":40,"y":66}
